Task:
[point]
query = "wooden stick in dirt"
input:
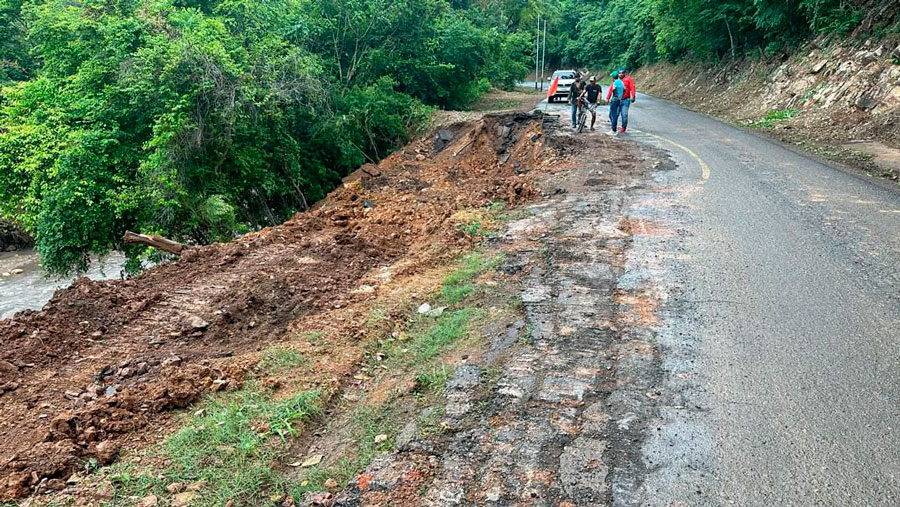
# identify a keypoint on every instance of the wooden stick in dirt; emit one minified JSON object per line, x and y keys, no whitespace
{"x":158,"y":242}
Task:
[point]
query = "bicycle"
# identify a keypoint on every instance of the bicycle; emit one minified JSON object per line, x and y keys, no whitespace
{"x":586,"y":107}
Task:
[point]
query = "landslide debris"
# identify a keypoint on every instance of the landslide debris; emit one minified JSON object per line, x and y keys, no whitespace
{"x":103,"y":365}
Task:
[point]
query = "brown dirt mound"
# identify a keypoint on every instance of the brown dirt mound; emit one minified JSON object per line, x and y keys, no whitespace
{"x":105,"y":362}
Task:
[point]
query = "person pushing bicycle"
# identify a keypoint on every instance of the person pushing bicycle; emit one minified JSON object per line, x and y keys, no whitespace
{"x":592,"y":93}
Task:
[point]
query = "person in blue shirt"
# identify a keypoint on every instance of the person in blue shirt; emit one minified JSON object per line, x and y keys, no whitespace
{"x":614,"y":97}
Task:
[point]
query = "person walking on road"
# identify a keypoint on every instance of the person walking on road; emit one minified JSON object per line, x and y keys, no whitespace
{"x":627,"y":99}
{"x":614,"y":97}
{"x":593,"y":92}
{"x":575,"y":92}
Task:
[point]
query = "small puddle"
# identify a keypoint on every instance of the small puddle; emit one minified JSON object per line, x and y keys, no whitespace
{"x":30,"y":289}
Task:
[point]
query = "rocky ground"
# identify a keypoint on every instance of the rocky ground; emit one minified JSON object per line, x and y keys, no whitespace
{"x":553,"y":412}
{"x":839,"y":99}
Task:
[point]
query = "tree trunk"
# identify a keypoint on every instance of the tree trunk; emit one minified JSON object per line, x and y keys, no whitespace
{"x":158,"y":242}
{"x":730,"y":37}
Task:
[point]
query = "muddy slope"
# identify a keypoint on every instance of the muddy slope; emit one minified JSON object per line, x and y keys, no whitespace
{"x":104,"y":364}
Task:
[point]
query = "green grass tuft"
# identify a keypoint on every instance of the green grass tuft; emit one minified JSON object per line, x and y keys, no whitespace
{"x":281,"y":359}
{"x":450,"y":327}
{"x":458,"y":284}
{"x":773,"y":117}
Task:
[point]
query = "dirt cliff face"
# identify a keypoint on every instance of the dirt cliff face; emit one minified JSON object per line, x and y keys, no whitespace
{"x":102,"y":367}
{"x":839,"y":99}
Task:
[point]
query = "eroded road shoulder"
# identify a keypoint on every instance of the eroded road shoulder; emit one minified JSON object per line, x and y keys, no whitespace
{"x":558,"y":411}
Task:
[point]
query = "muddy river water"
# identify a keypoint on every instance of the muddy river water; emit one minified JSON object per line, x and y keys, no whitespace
{"x":31,"y":289}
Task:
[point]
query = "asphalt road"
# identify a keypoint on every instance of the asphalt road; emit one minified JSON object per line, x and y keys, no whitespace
{"x":780,"y":335}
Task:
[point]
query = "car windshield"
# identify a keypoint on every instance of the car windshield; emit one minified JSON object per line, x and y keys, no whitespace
{"x":564,"y":74}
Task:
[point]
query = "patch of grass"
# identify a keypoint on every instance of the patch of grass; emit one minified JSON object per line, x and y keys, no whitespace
{"x":311,"y":336}
{"x":497,"y":206}
{"x":473,"y":228}
{"x":459,"y":283}
{"x":281,"y":359}
{"x":450,"y":327}
{"x":474,"y":222}
{"x":773,"y":118}
{"x":228,"y":445}
{"x":432,"y":380}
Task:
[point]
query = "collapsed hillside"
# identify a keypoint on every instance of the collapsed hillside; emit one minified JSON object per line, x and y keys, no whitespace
{"x":841,"y":101}
{"x":103,"y":366}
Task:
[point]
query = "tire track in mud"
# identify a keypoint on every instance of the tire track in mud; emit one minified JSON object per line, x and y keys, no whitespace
{"x":564,"y":420}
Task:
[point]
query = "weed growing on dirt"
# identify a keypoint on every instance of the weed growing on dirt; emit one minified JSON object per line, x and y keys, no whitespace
{"x":449,"y":328}
{"x":432,"y":380}
{"x":311,"y":336}
{"x":773,"y":118}
{"x":281,"y":359}
{"x":497,"y":206}
{"x":227,"y":446}
{"x":459,"y":283}
{"x":473,"y":228}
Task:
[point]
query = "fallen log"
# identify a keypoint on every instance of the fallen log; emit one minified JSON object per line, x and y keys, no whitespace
{"x":158,"y":242}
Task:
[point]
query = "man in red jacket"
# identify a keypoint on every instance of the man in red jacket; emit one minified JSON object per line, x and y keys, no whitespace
{"x":630,"y":96}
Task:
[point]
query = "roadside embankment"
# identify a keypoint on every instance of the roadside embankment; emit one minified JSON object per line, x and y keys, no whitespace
{"x":840,"y":101}
{"x":102,"y":370}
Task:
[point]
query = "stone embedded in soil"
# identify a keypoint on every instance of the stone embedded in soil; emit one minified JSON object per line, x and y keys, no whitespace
{"x":197,"y":486}
{"x":148,"y":501}
{"x":312,"y":461}
{"x":105,"y":492}
{"x":424,"y":308}
{"x":195,"y":323}
{"x":331,"y":484}
{"x":106,"y":452}
{"x":175,"y":487}
{"x":7,"y":367}
{"x":184,"y":499}
{"x":172,"y":361}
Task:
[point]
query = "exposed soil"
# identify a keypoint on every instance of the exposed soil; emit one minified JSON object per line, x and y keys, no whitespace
{"x":103,"y":366}
{"x":537,"y":417}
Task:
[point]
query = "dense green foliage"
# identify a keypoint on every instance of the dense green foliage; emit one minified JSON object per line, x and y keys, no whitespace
{"x":637,"y":32}
{"x":200,"y":119}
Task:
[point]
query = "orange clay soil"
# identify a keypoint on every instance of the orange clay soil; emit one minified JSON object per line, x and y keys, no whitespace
{"x":103,"y":366}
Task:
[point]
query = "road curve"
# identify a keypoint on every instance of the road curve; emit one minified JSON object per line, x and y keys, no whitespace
{"x":779,"y":335}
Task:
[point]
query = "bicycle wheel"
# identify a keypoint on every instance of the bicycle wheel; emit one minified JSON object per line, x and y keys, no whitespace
{"x":582,"y":119}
